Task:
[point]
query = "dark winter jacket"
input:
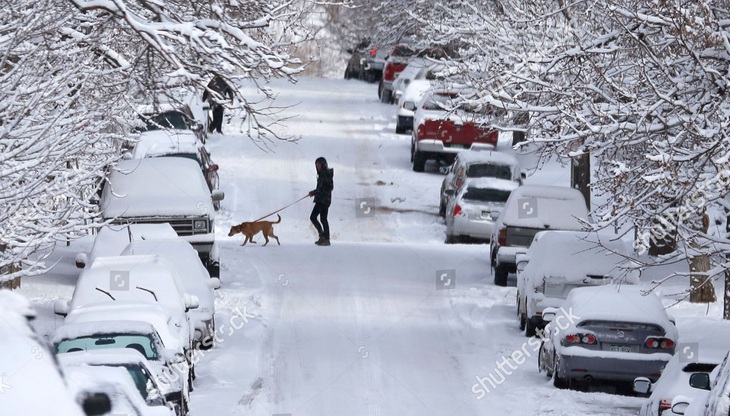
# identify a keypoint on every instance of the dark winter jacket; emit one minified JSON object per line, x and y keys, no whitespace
{"x":219,"y":85}
{"x":325,"y":185}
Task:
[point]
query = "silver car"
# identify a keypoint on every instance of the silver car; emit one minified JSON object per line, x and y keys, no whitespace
{"x":473,"y":211}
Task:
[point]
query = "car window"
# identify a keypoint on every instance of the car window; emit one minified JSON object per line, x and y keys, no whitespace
{"x":142,"y":343}
{"x":191,"y":156}
{"x":489,"y":171}
{"x":169,"y":120}
{"x":140,"y":379}
{"x":486,"y":195}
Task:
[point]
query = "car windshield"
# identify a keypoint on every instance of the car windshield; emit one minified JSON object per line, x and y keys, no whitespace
{"x":168,"y":120}
{"x":486,"y":195}
{"x":191,"y":156}
{"x":142,"y":343}
{"x":488,"y":170}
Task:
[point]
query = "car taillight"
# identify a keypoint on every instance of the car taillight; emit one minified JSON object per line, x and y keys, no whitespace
{"x":389,"y":74}
{"x":502,"y":237}
{"x":457,"y":210}
{"x":587,"y":339}
{"x":659,"y":343}
{"x":664,"y":405}
{"x":373,"y":52}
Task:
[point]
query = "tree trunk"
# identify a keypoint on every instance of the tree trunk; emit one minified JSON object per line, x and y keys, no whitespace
{"x":726,"y":295}
{"x":702,"y":290}
{"x":580,"y":176}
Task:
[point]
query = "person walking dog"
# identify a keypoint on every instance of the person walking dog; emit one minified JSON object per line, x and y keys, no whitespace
{"x":322,"y":200}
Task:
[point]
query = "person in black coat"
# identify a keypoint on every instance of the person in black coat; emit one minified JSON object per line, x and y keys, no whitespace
{"x":222,"y":90}
{"x":322,"y":200}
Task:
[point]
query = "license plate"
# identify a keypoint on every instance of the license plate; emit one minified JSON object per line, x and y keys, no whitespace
{"x":486,"y":214}
{"x":458,"y":146}
{"x":620,"y":348}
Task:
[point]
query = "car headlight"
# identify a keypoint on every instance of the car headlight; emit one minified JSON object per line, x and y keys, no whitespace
{"x":200,"y":225}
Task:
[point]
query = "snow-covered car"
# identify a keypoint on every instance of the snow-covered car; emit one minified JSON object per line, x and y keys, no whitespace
{"x":711,"y":398}
{"x":609,"y":333}
{"x":468,"y":165}
{"x":176,"y":118}
{"x":146,"y":329}
{"x":164,"y":143}
{"x":473,"y":211}
{"x":116,"y":383}
{"x":165,"y":190}
{"x":138,"y":280}
{"x":407,"y":103}
{"x":529,"y":210}
{"x":30,"y":379}
{"x":560,"y":261}
{"x":445,"y":123}
{"x":405,"y":77}
{"x":193,"y":277}
{"x":396,"y":62}
{"x":143,"y":375}
{"x":688,"y":372}
{"x":111,"y":239}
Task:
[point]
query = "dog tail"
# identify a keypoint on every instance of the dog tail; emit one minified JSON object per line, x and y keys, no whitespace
{"x":279,"y":220}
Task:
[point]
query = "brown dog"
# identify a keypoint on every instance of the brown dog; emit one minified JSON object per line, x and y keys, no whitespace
{"x":250,"y":229}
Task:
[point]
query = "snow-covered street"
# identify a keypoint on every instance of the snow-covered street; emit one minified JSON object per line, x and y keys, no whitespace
{"x":388,"y":320}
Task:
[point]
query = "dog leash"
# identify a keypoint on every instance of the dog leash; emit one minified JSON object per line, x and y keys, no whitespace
{"x":282,"y":209}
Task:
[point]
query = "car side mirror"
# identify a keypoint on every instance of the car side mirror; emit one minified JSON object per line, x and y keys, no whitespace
{"x":549,"y":314}
{"x":680,"y":404}
{"x":444,"y":170}
{"x":494,"y":214}
{"x":96,"y":404}
{"x":191,"y":302}
{"x":214,"y":283}
{"x":700,"y":381}
{"x":217,"y":195}
{"x":450,"y":192}
{"x":642,"y":385}
{"x":523,"y":175}
{"x":81,"y":260}
{"x":214,"y":167}
{"x":60,"y":307}
{"x":398,"y":94}
{"x":196,"y":127}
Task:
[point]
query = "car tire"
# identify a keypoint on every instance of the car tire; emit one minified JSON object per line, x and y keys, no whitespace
{"x":419,"y":161}
{"x":558,"y":381}
{"x":523,"y":323}
{"x":380,"y":90}
{"x":500,"y":275}
{"x":541,"y":362}
{"x":214,"y":269}
{"x":399,"y":129}
{"x":530,"y":329}
{"x":442,"y":209}
{"x":386,"y":97}
{"x":450,"y":239}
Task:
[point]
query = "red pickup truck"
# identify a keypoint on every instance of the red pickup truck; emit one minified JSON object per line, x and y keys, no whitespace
{"x":442,"y":134}
{"x":396,"y":63}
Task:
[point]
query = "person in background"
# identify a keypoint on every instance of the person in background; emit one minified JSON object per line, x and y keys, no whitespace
{"x":322,"y":200}
{"x":217,"y":90}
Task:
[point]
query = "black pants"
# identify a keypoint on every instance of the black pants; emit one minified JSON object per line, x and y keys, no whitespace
{"x":321,"y":210}
{"x":217,"y":123}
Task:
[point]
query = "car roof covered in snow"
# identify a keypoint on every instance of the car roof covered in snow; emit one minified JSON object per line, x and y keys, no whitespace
{"x":415,"y":90}
{"x":618,"y":303}
{"x":165,"y":142}
{"x":488,"y":156}
{"x":111,"y":239}
{"x":156,"y":187}
{"x":545,"y":207}
{"x":573,"y":255}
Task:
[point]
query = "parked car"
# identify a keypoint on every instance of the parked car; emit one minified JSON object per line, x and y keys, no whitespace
{"x":529,"y":210}
{"x":366,"y":62}
{"x":405,"y":77}
{"x":610,"y":333}
{"x":396,"y":62}
{"x":560,"y":261}
{"x":111,"y":239}
{"x":483,"y":164}
{"x":129,"y":359}
{"x":194,"y":278}
{"x":445,"y":123}
{"x":407,"y":103}
{"x":712,"y":397}
{"x":162,"y":143}
{"x":149,"y":330}
{"x":33,"y":384}
{"x":475,"y":208}
{"x":165,"y":190}
{"x":688,"y":372}
{"x":174,"y":117}
{"x":118,"y":385}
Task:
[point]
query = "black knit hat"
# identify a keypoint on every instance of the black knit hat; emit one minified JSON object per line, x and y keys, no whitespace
{"x":322,"y":161}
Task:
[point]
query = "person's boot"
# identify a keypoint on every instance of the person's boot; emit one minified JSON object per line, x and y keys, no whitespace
{"x":325,"y":242}
{"x":321,"y":239}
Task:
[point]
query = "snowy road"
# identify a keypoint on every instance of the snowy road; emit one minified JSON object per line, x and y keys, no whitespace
{"x":388,"y":320}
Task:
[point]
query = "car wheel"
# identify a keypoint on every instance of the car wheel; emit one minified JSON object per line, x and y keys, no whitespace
{"x":399,"y":129}
{"x":558,"y":381}
{"x":522,"y":321}
{"x":500,"y":275}
{"x":214,"y":269}
{"x":442,"y":209}
{"x":542,"y":362}
{"x":419,"y":161}
{"x":380,"y":90}
{"x":386,"y":97}
{"x":530,"y":328}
